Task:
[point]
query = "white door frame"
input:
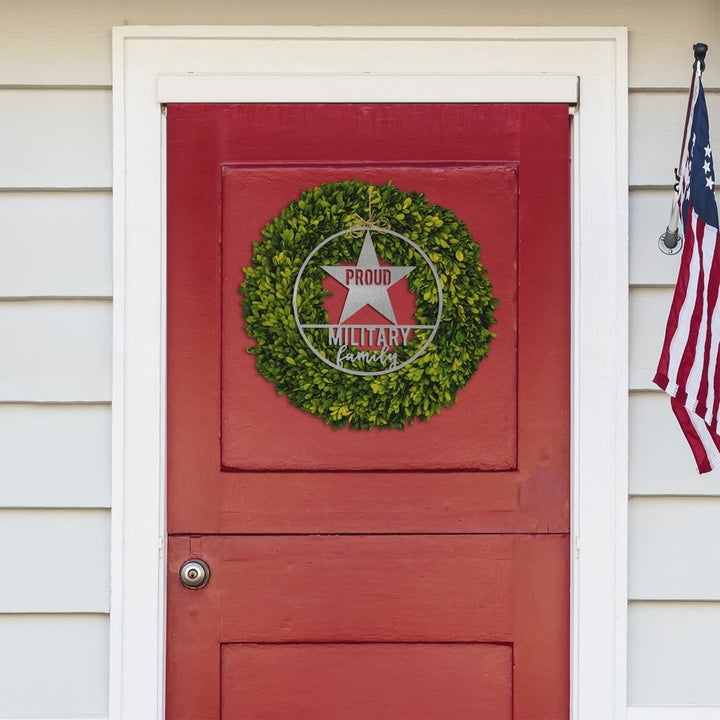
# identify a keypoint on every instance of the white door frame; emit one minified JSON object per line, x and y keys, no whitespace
{"x":152,"y":65}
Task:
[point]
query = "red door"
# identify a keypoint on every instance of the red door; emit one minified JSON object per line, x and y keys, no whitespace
{"x":398,"y":574}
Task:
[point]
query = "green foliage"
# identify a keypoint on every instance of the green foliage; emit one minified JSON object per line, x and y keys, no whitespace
{"x":417,"y":390}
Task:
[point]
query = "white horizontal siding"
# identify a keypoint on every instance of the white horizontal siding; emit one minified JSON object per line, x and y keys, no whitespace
{"x":53,"y":665}
{"x":76,"y":34}
{"x":55,"y":138}
{"x":673,"y":713}
{"x":673,"y":548}
{"x":56,"y":244}
{"x":59,"y":563}
{"x":59,"y":351}
{"x":648,"y":318}
{"x":55,"y":455}
{"x":660,"y":459}
{"x":64,"y":717}
{"x":674,"y":654}
{"x":656,"y":126}
{"x":649,"y":215}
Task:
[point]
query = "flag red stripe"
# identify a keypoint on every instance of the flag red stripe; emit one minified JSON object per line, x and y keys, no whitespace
{"x":691,"y":435}
{"x":691,"y":345}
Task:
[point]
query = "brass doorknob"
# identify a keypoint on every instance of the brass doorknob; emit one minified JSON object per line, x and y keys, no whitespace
{"x":194,"y":573}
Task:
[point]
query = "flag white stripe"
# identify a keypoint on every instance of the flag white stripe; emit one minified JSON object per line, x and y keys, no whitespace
{"x":713,"y":455}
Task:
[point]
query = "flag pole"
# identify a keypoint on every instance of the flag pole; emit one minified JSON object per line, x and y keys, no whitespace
{"x":670,"y":242}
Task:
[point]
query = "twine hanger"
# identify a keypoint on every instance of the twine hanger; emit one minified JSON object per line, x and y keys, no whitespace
{"x":358,"y":221}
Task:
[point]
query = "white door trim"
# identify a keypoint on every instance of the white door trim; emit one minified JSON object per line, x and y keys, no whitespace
{"x":375,"y":87}
{"x":193,"y":64}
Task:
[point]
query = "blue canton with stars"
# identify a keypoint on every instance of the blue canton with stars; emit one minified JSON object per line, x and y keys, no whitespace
{"x":702,"y":172}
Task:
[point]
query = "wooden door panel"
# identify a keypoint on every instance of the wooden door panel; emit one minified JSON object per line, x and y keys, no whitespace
{"x":261,"y":432}
{"x":383,"y":681}
{"x":368,"y":503}
{"x":431,"y":590}
{"x":209,"y":492}
{"x":363,"y":587}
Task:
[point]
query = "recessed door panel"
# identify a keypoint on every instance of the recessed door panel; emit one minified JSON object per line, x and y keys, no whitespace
{"x":396,"y":681}
{"x":478,"y":433}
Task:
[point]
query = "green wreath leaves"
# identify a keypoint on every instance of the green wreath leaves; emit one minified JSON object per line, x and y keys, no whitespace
{"x":418,"y":389}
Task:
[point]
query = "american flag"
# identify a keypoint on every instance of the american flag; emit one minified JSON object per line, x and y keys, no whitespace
{"x":688,"y":369}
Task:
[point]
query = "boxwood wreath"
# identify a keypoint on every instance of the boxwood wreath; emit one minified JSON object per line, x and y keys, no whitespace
{"x":418,"y":389}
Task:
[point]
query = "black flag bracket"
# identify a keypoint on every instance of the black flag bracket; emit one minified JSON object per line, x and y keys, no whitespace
{"x":670,"y":242}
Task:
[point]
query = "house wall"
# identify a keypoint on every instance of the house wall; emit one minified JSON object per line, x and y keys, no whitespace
{"x":55,"y":316}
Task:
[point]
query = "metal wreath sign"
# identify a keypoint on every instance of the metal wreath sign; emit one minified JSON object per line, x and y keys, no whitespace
{"x":368,"y":305}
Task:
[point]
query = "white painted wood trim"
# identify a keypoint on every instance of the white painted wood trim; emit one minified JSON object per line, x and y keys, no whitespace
{"x":365,"y":32}
{"x":619,"y":350}
{"x":673,"y":713}
{"x":598,"y":57}
{"x":340,"y":87}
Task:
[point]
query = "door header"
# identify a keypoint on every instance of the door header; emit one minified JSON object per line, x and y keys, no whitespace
{"x":338,"y":87}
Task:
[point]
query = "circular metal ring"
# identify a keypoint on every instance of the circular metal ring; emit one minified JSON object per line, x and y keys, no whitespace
{"x":669,"y":250}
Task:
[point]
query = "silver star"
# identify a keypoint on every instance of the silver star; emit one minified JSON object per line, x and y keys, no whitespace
{"x":362,"y":283}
